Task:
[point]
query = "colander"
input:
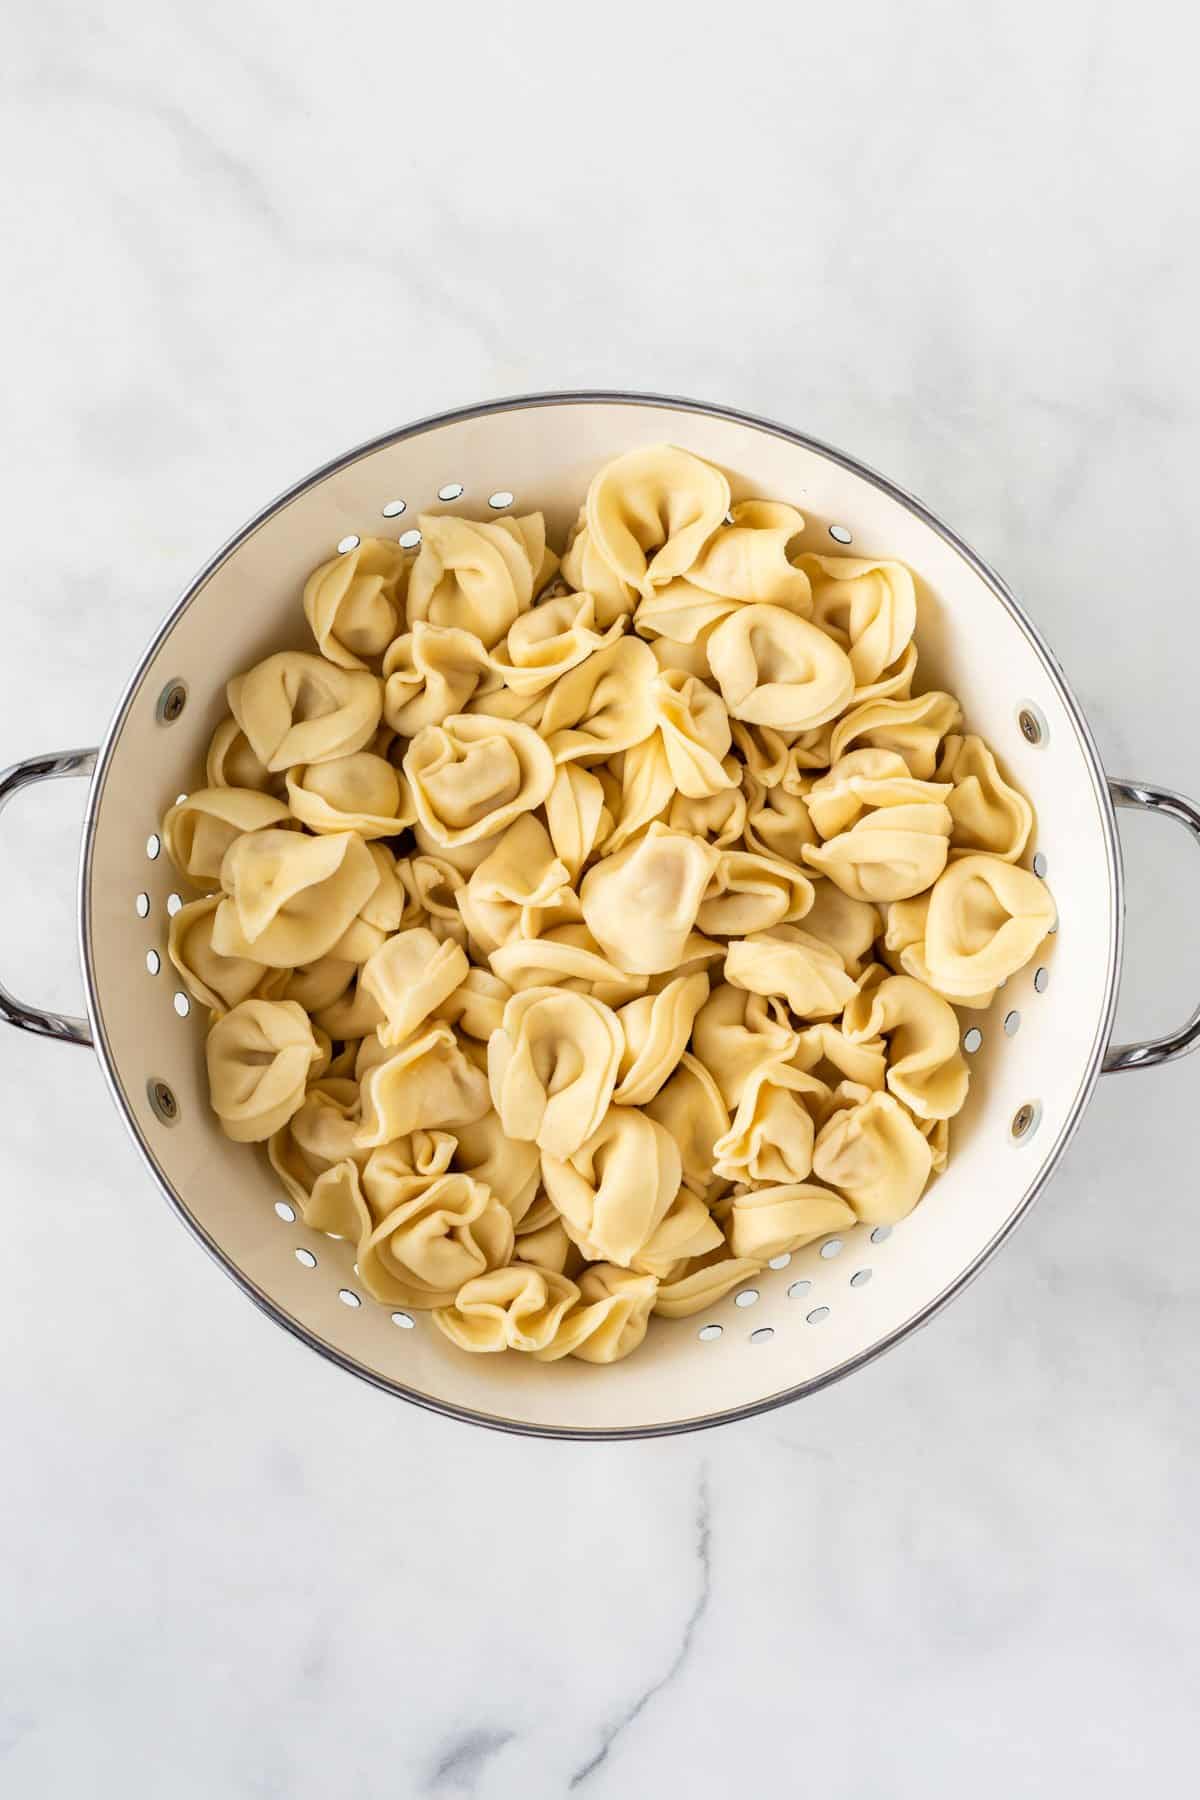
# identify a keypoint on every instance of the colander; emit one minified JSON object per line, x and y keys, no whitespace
{"x":809,"y":1318}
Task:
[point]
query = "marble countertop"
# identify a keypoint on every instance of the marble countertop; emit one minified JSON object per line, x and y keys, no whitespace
{"x":954,"y":241}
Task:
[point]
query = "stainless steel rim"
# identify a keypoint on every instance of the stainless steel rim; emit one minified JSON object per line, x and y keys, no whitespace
{"x":1091,"y":1070}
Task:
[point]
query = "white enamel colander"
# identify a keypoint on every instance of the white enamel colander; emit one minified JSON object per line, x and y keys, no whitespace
{"x":810,"y":1317}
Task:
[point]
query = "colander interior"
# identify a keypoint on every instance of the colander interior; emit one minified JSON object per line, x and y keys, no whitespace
{"x":1034,"y":1055}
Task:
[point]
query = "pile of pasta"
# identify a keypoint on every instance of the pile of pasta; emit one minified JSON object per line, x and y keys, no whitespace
{"x":581,"y":935}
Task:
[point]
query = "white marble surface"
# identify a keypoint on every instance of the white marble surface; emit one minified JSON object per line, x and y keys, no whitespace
{"x":958,"y":241}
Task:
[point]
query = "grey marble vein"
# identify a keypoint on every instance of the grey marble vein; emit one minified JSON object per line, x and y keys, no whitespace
{"x":462,"y":1762}
{"x":703,"y":1543}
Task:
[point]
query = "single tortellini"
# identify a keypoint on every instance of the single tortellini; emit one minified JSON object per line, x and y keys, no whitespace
{"x":690,"y":1108}
{"x":584,"y":569}
{"x":914,"y":728}
{"x":720,"y":818}
{"x":736,"y":1033}
{"x":432,"y":885}
{"x":361,"y":792}
{"x":553,"y":637}
{"x":260,"y":1055}
{"x":394,"y":1173}
{"x":656,"y":1029}
{"x":771,"y":1135}
{"x":704,"y":1283}
{"x":986,"y":918}
{"x":518,"y":889}
{"x":319,"y":1134}
{"x":776,"y":669}
{"x":216,"y":981}
{"x":409,"y":977}
{"x":296,"y":708}
{"x":421,"y":1254}
{"x":610,"y":1319}
{"x":472,"y":775}
{"x":613,"y":1190}
{"x":685,"y":755}
{"x":773,"y":1221}
{"x":641,"y":903}
{"x":604,"y":705}
{"x":291,"y":897}
{"x":848,"y":926}
{"x":890,"y":854}
{"x":476,"y":1005}
{"x":871,"y":607}
{"x":552,"y":1067}
{"x":477,"y":577}
{"x":198,"y":830}
{"x":875,"y":1157}
{"x":231,"y":762}
{"x":577,"y":816}
{"x":424,"y":1084}
{"x":687,"y":1229}
{"x":748,"y":893}
{"x":650,"y":511}
{"x":788,"y":962}
{"x":989,"y":814}
{"x":520,"y":1307}
{"x":745,"y":561}
{"x":777,"y":821}
{"x":353,"y":603}
{"x":864,"y":780}
{"x":926,"y":1068}
{"x":428,"y":673}
{"x":510,"y":1167}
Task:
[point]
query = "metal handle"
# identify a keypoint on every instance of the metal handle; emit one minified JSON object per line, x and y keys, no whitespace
{"x":1174,"y":1043}
{"x":24,"y":774}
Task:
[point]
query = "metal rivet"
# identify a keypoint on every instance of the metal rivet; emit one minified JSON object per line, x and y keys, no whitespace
{"x":171,"y":702}
{"x":881,"y":1234}
{"x":1040,"y":865}
{"x":403,"y":1320}
{"x":1041,"y":979}
{"x":831,"y":1248}
{"x":285,"y":1212}
{"x":817,"y":1314}
{"x":841,"y":534}
{"x":1012,"y":1023}
{"x":1026,"y":1120}
{"x":860,"y":1278}
{"x":142,"y":906}
{"x":163,"y":1103}
{"x":500,"y":499}
{"x":972,"y":1039}
{"x":798,"y":1289}
{"x":348,"y":1297}
{"x":306,"y":1259}
{"x":348,"y":543}
{"x":1032,"y":724}
{"x":708,"y":1334}
{"x":780,"y":1262}
{"x":410,"y":539}
{"x":747,"y":1297}
{"x":153,"y":961}
{"x":453,"y":490}
{"x":181,"y":1003}
{"x":394,"y":508}
{"x":762,"y":1335}
{"x":174,"y":905}
{"x":153,"y":845}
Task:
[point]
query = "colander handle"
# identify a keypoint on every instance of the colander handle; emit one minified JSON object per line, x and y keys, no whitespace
{"x":25,"y":774}
{"x":1143,"y":795}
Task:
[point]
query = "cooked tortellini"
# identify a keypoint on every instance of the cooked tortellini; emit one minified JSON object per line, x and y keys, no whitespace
{"x":580,"y":938}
